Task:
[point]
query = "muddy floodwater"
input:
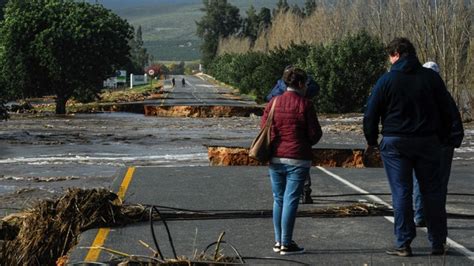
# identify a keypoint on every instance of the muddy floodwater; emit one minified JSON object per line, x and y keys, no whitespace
{"x":41,"y":156}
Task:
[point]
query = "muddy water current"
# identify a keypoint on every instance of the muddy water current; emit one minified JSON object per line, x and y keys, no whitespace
{"x":41,"y":156}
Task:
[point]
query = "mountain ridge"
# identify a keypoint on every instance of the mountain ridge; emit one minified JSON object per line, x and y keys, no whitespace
{"x":168,"y":26}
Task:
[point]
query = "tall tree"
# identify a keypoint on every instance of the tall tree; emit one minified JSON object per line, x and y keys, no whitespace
{"x":281,"y":6}
{"x":2,"y":5}
{"x":220,"y":20}
{"x":295,"y":9}
{"x":265,"y":18}
{"x":3,"y":110}
{"x":61,"y":47}
{"x":251,"y":24}
{"x":139,"y":57}
{"x":309,"y":7}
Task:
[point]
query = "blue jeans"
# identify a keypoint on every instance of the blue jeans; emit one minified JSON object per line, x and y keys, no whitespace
{"x":287,"y":186}
{"x":417,"y":201}
{"x":445,"y":169}
{"x":401,"y":156}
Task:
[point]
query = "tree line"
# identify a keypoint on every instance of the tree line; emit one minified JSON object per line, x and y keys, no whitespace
{"x":440,"y":29}
{"x":64,"y":48}
{"x":345,"y":69}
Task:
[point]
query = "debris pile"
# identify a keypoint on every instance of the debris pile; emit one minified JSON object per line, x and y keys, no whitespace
{"x":47,"y":231}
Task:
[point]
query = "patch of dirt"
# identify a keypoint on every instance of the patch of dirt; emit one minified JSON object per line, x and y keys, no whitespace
{"x":348,"y":158}
{"x":202,"y":111}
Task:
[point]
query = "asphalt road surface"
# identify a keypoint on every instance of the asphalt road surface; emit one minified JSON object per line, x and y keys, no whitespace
{"x":328,"y":240}
{"x":197,"y":91}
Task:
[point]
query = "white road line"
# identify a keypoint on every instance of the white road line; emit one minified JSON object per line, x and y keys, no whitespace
{"x":453,"y":244}
{"x":166,"y":95}
{"x":193,"y":93}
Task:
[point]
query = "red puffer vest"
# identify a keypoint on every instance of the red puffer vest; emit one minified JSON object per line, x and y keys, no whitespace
{"x":295,"y":126}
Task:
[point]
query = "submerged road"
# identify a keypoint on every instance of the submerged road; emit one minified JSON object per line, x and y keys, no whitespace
{"x":198,"y":91}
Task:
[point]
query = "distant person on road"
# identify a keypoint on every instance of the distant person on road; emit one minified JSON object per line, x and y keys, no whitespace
{"x":455,"y":140}
{"x":295,"y":129}
{"x":312,"y":89}
{"x":183,"y":82}
{"x":411,"y":103}
{"x":173,"y":81}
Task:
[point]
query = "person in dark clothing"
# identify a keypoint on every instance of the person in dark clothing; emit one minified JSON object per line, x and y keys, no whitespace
{"x":455,"y":140}
{"x":183,"y":82}
{"x":295,"y":128}
{"x":410,"y":101}
{"x":173,"y":81}
{"x":312,"y":89}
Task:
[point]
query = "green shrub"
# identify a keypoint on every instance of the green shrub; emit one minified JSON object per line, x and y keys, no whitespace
{"x":346,"y":70}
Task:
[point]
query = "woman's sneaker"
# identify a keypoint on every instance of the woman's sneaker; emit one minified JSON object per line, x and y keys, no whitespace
{"x":293,"y":248}
{"x":277,"y":247}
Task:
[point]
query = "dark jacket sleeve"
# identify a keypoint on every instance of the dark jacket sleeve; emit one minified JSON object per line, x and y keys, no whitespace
{"x":279,"y":89}
{"x":457,"y":130}
{"x":444,"y":102}
{"x":373,"y":112}
{"x":314,"y":128}
{"x":312,"y":88}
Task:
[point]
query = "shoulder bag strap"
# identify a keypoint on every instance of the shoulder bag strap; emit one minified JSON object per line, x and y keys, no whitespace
{"x":269,"y":121}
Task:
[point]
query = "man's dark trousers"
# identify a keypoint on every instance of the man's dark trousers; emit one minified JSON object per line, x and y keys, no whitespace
{"x":401,"y":156}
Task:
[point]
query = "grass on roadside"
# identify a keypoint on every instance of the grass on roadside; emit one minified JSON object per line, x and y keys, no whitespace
{"x":107,"y":97}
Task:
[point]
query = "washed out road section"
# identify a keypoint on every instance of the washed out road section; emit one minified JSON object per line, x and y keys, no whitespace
{"x":350,"y":240}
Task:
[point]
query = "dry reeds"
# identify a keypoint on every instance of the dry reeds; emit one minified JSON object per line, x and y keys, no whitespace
{"x":44,"y":234}
{"x":48,"y":230}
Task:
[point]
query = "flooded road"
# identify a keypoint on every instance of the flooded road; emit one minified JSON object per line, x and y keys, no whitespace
{"x":41,"y":156}
{"x":96,"y":144}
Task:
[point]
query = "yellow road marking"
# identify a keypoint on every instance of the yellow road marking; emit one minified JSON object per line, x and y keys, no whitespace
{"x":126,"y":181}
{"x":99,"y":241}
{"x":94,"y":252}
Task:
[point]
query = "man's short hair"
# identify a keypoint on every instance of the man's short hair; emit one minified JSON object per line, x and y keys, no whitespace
{"x":402,"y":46}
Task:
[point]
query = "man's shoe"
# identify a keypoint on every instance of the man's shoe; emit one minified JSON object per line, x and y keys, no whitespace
{"x":401,"y":252}
{"x":293,"y":248}
{"x":420,"y":223}
{"x":277,"y":247}
{"x":439,"y":251}
{"x":306,"y":198}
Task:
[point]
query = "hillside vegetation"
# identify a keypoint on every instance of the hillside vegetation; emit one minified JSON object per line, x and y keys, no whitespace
{"x":169,"y":28}
{"x":441,"y":31}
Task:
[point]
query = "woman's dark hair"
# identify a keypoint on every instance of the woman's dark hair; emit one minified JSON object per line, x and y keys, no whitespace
{"x":402,"y":46}
{"x":293,"y":76}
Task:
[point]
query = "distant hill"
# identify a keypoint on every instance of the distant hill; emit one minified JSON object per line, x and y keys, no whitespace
{"x":169,"y":28}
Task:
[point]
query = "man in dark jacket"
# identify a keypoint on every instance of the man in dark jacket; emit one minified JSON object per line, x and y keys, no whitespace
{"x":455,"y":140}
{"x":410,"y":101}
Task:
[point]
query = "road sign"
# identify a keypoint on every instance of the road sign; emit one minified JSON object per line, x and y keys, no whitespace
{"x":151,"y":72}
{"x":121,"y":76}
